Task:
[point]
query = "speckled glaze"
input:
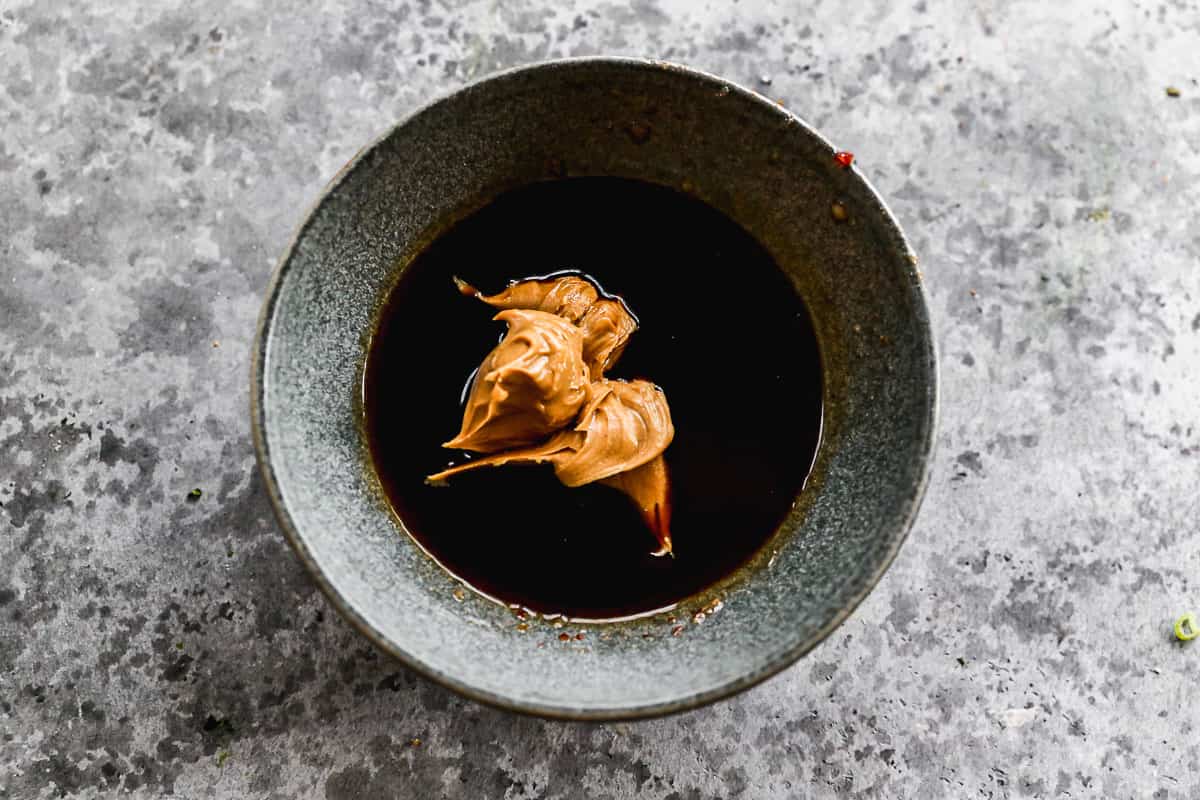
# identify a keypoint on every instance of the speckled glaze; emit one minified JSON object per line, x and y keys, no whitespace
{"x":744,"y":155}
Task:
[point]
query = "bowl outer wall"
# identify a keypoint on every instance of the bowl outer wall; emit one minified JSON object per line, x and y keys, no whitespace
{"x":740,"y":153}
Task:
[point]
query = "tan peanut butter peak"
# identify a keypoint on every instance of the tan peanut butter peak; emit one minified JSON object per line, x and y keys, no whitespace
{"x":568,"y":297}
{"x":607,"y":326}
{"x":614,"y":431}
{"x":605,"y":321}
{"x":624,"y":425}
{"x":532,"y":384}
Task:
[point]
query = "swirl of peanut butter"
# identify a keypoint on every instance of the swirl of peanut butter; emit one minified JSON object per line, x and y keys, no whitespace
{"x":529,"y":388}
{"x":568,"y":297}
{"x":605,"y":321}
{"x":623,"y":425}
{"x":606,"y":326}
{"x":533,"y":383}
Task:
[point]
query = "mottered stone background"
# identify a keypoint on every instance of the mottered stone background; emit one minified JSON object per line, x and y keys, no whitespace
{"x":154,"y":159}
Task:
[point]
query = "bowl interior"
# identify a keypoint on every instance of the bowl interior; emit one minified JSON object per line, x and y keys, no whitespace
{"x":664,"y":124}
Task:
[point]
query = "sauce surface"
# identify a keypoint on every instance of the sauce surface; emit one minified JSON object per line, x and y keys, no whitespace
{"x":722,"y":331}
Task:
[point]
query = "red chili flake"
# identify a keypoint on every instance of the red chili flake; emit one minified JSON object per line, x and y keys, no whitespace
{"x":678,"y":629}
{"x":564,"y":637}
{"x":579,"y":637}
{"x":638,"y":132}
{"x":843,"y":159}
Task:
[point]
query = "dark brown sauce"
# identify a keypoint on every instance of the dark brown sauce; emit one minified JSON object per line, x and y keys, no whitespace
{"x":723,"y":332}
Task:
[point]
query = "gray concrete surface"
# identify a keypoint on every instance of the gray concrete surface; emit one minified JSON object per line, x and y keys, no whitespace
{"x":154,"y":159}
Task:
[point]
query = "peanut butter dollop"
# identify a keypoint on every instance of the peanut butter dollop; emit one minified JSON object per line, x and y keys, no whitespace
{"x":624,"y":425}
{"x":568,"y":297}
{"x":532,"y":384}
{"x":605,"y":321}
{"x":541,"y":397}
{"x":607,"y":326}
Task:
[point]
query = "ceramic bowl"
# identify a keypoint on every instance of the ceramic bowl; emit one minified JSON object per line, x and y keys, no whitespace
{"x":739,"y":152}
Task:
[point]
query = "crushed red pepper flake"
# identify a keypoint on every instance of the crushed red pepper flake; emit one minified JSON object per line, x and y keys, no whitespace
{"x":639,"y":132}
{"x":843,"y":158}
{"x":678,"y":629}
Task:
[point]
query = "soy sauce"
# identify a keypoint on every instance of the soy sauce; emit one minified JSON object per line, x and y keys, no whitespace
{"x":723,"y":332}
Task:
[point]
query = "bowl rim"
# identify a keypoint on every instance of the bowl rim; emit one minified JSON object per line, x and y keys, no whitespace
{"x":911,"y":501}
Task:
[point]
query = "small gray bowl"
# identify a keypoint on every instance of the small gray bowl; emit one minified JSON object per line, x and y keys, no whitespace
{"x":658,"y":122}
